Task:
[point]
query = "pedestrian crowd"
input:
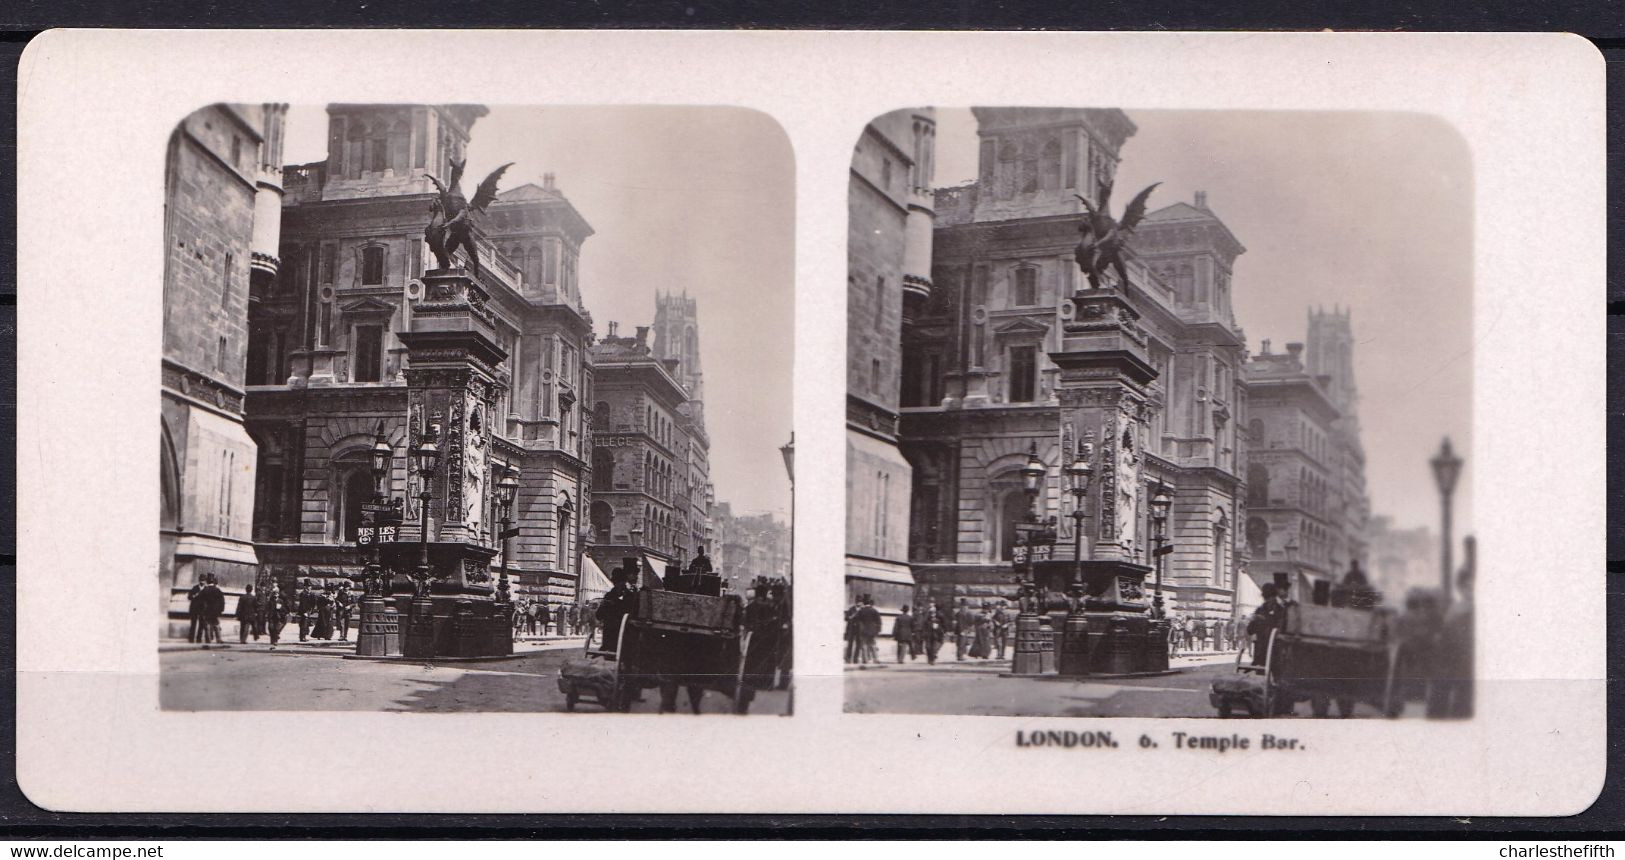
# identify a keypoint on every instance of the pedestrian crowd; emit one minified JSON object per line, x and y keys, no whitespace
{"x":1191,"y":634}
{"x":534,"y":617}
{"x":980,"y":633}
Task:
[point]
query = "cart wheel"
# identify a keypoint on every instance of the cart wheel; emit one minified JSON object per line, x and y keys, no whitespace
{"x":1391,"y":707}
{"x":1272,"y":689}
{"x":620,"y":698}
{"x":1345,"y":708}
{"x":742,"y":698}
{"x":1320,"y":706}
{"x":570,"y":700}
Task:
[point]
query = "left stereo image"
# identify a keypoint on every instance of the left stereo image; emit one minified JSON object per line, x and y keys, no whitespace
{"x":466,"y":408}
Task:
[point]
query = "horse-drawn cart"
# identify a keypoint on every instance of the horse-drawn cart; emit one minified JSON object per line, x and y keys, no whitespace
{"x":668,"y":641}
{"x":1325,"y":655}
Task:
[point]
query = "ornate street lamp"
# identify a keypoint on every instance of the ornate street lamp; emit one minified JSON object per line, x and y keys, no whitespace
{"x":383,"y":459}
{"x":507,"y":489}
{"x":1032,"y":475}
{"x":1446,"y":469}
{"x":788,"y":452}
{"x":424,"y":459}
{"x":1292,"y":559}
{"x":1078,"y":475}
{"x":1161,"y":501}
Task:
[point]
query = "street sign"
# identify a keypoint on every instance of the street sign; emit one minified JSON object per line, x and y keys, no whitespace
{"x":378,"y":509}
{"x":368,"y":535}
{"x":513,"y":532}
{"x":1020,"y":553}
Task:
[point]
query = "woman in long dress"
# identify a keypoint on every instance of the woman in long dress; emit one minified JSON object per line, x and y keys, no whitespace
{"x":324,"y":615}
{"x":982,"y":645}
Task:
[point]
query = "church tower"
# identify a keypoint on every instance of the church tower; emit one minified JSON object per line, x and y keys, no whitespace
{"x":677,"y":336}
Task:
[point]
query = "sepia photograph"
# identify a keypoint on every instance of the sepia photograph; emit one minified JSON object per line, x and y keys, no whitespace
{"x":1157,"y":414}
{"x":437,"y":431}
{"x":446,"y":390}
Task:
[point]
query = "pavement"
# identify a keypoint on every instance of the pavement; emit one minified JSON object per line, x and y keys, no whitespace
{"x":313,"y":677}
{"x":979,"y":687}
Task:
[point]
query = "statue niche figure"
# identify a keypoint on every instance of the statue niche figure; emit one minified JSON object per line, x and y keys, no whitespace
{"x":452,"y":223}
{"x":1104,"y":238}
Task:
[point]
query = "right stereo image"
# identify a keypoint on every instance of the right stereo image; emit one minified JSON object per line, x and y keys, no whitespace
{"x":1160,"y":413}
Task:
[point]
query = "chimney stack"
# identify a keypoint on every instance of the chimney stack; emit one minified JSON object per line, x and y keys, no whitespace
{"x":1296,"y":351}
{"x":547,"y":181}
{"x":643,"y":334}
{"x":1201,"y":200}
{"x":613,"y":326}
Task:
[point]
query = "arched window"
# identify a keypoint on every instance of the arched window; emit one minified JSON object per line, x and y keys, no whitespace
{"x":566,"y":537}
{"x":357,"y":492}
{"x":1013,"y":509}
{"x":1258,"y":484}
{"x":1258,"y":537}
{"x":603,"y":521}
{"x":603,"y":469}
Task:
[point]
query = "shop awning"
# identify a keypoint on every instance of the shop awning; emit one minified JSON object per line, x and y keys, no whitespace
{"x":594,"y":584}
{"x":879,"y":571}
{"x":651,"y":574}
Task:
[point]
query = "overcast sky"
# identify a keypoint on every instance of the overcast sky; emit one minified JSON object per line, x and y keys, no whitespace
{"x":1368,"y":211}
{"x":701,"y":199}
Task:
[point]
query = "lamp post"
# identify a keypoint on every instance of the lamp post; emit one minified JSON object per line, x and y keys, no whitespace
{"x":1292,"y":562}
{"x":1074,"y":655}
{"x":420,"y":632}
{"x":507,"y":488}
{"x":1446,"y":469}
{"x":1160,"y":503}
{"x":380,"y":631}
{"x":1029,"y":656}
{"x":1078,"y":475}
{"x":424,"y":459}
{"x":788,"y":452}
{"x":383,"y":458}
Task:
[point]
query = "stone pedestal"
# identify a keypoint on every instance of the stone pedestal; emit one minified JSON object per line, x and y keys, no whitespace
{"x":1027,"y":658}
{"x":1073,"y":658}
{"x":373,"y":638}
{"x":451,"y":360}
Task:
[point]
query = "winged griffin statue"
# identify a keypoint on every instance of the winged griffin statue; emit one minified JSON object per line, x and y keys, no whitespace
{"x":452,"y":224}
{"x":1104,"y":238}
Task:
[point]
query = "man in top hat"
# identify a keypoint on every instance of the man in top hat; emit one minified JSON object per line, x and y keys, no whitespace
{"x":618,"y":602}
{"x":343,"y":607}
{"x":305,"y":605}
{"x":1268,"y":617}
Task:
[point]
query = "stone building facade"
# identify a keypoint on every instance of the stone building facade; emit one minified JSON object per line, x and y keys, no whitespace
{"x":222,"y":193}
{"x":1306,"y":475}
{"x":981,"y":387}
{"x":677,"y":338}
{"x":889,"y":238}
{"x":1329,"y":356}
{"x":749,"y":546}
{"x":1291,"y":472}
{"x":326,"y":366}
{"x":650,"y":477}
